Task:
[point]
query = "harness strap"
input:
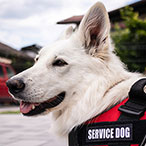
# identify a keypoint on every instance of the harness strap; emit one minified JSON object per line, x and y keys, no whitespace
{"x":144,"y":141}
{"x":135,"y":107}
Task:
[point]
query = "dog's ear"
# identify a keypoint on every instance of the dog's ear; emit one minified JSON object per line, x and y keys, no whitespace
{"x":94,"y":29}
{"x":68,"y":32}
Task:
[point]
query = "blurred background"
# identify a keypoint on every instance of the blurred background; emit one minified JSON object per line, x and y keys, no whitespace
{"x":27,"y":26}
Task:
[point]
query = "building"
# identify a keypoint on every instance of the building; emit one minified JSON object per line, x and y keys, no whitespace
{"x":114,"y":14}
{"x":19,"y":59}
{"x":31,"y":50}
{"x":7,"y":51}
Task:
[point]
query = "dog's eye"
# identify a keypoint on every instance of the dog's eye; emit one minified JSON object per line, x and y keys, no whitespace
{"x":36,"y":58}
{"x":59,"y":62}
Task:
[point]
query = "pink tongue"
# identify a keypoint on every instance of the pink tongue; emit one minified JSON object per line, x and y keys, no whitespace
{"x":25,"y":107}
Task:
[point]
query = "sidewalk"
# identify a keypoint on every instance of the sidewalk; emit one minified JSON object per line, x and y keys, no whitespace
{"x":18,"y":130}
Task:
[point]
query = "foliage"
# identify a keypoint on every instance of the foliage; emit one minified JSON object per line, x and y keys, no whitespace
{"x":10,"y":112}
{"x":130,"y":42}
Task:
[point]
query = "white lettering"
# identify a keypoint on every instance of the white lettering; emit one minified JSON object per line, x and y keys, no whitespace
{"x":101,"y":133}
{"x":117,"y":134}
{"x":107,"y":133}
{"x":89,"y":134}
{"x":127,"y":132}
{"x":96,"y":133}
{"x":93,"y":132}
{"x":112,"y":132}
{"x":104,"y":133}
{"x":122,"y":132}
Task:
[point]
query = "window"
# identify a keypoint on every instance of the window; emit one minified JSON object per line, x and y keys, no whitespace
{"x":10,"y":72}
{"x":1,"y":71}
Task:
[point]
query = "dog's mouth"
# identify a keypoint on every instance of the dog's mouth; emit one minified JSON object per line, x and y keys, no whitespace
{"x":30,"y":109}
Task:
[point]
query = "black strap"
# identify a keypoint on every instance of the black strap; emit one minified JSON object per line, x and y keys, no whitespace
{"x":135,"y":107}
{"x":144,"y":141}
{"x":73,"y":138}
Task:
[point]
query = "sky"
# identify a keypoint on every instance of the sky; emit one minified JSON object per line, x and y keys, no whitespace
{"x":27,"y":22}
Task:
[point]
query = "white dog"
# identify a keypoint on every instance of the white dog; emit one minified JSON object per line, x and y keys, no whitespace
{"x":77,"y":78}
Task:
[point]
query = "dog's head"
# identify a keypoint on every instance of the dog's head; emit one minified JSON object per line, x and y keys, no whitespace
{"x":61,"y":70}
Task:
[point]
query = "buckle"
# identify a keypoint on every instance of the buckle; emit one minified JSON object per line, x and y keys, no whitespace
{"x":136,"y":105}
{"x":128,"y":108}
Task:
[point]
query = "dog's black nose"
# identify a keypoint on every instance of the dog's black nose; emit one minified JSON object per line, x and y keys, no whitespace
{"x":15,"y":85}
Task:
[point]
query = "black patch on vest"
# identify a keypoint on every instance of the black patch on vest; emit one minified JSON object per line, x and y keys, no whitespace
{"x":79,"y":135}
{"x":110,"y":133}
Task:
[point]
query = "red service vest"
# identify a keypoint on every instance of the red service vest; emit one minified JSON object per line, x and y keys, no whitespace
{"x":122,"y":125}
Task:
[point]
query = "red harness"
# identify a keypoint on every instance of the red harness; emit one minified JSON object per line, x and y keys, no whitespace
{"x":122,"y":125}
{"x":111,"y":115}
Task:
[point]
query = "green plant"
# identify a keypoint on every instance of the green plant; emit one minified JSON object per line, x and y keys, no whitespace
{"x":130,"y":42}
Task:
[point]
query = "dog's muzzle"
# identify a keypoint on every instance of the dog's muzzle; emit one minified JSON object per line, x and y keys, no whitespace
{"x":17,"y":85}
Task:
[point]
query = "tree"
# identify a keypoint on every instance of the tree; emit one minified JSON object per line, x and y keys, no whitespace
{"x":130,"y":42}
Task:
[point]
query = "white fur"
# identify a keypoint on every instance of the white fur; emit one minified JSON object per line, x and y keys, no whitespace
{"x":94,"y":79}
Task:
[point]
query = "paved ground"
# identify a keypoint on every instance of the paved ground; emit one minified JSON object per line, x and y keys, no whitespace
{"x":8,"y":108}
{"x":17,"y":130}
